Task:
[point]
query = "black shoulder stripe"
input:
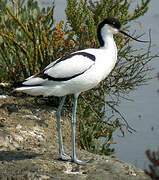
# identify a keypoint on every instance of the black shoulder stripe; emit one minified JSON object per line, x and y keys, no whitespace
{"x":85,"y":54}
{"x":42,"y":74}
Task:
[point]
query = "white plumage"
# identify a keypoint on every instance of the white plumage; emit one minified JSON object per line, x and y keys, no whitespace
{"x":94,"y":72}
{"x":78,"y":72}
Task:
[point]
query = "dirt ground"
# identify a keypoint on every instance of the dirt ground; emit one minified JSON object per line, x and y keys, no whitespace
{"x":29,"y":144}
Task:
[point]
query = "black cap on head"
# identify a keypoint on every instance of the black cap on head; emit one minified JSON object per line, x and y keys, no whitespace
{"x":112,"y":22}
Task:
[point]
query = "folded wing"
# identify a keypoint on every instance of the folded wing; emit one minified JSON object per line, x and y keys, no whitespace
{"x":63,"y":69}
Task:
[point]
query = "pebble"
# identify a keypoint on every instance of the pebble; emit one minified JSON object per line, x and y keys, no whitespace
{"x":3,"y":96}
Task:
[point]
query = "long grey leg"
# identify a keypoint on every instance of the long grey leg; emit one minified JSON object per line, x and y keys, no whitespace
{"x":73,"y":123}
{"x":63,"y":156}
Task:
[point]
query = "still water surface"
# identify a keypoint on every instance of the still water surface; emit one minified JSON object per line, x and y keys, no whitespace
{"x":142,"y":114}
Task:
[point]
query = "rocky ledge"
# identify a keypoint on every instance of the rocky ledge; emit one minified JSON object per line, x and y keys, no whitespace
{"x":29,"y":147}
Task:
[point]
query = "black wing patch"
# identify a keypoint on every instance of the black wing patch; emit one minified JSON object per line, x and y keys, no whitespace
{"x":85,"y":54}
{"x":46,"y":76}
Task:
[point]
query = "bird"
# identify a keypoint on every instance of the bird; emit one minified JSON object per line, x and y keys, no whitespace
{"x":75,"y":73}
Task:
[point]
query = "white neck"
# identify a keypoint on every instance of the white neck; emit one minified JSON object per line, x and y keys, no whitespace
{"x":109,"y":42}
{"x":107,"y":37}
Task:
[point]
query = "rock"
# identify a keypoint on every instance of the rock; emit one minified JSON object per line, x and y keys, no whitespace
{"x":29,"y":148}
{"x":7,"y":142}
{"x":3,"y":96}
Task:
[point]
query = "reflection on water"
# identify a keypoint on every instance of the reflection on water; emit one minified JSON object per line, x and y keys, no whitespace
{"x":142,"y":114}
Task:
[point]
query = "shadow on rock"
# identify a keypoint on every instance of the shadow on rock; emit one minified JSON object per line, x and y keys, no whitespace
{"x":21,"y":155}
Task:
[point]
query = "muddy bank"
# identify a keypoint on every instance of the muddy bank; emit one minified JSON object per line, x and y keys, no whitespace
{"x":29,"y":145}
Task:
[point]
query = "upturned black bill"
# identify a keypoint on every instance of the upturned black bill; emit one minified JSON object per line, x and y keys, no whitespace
{"x":132,"y":37}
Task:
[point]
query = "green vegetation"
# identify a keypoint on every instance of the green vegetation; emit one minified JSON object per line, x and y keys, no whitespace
{"x":30,"y":39}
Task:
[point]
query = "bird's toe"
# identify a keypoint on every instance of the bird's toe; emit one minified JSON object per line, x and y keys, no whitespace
{"x":79,"y":162}
{"x":65,"y":157}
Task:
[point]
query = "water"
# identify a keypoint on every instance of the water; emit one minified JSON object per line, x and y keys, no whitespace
{"x":142,"y":114}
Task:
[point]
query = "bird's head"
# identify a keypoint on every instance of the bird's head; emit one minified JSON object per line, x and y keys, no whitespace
{"x":112,"y":26}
